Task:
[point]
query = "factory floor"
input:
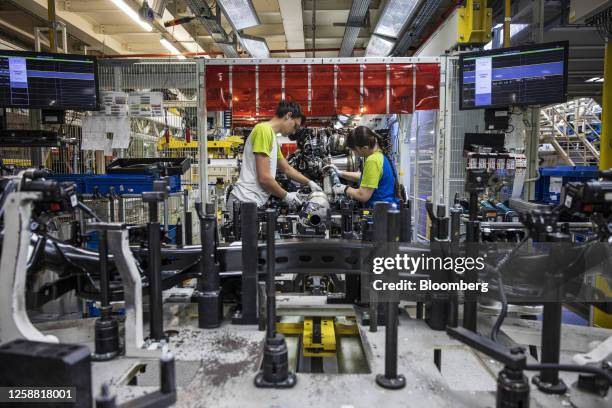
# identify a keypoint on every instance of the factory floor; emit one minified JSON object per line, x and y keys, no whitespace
{"x":216,"y":368}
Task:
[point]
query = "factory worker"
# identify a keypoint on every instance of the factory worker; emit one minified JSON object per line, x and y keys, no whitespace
{"x":378,"y":182}
{"x":262,"y":157}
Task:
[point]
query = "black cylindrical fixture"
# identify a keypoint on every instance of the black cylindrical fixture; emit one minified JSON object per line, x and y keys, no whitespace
{"x":155,"y":284}
{"x":210,"y":275}
{"x":393,"y":229}
{"x":470,"y":306}
{"x":419,"y":310}
{"x":270,"y":272}
{"x":178,"y":234}
{"x":111,"y":204}
{"x":512,"y":389}
{"x":347,"y":220}
{"x":104,"y":278}
{"x":153,"y":211}
{"x":167,"y":374}
{"x":188,"y":228}
{"x":473,"y":206}
{"x":236,"y":219}
{"x":249,"y":231}
{"x":551,"y":341}
{"x":406,"y":222}
{"x":455,"y":224}
{"x":391,"y":379}
{"x":380,"y":242}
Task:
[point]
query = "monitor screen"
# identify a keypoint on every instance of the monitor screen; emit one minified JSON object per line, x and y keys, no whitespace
{"x":48,"y":81}
{"x":526,"y":75}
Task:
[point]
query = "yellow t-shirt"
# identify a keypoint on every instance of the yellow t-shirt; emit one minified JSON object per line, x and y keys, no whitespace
{"x":262,"y":138}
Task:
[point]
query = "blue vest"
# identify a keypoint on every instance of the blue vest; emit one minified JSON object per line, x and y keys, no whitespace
{"x":386,"y":186}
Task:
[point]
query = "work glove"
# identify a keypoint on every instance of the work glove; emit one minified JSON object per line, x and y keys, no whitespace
{"x":314,"y":186}
{"x":332,"y":167}
{"x":339,"y":189}
{"x":292,"y":198}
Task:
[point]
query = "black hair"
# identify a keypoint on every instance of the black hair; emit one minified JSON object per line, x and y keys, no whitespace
{"x":284,"y":107}
{"x":363,"y":136}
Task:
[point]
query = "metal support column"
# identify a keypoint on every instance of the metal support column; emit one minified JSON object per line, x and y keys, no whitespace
{"x":605,"y":145}
{"x":202,"y":133}
{"x":248,"y":312}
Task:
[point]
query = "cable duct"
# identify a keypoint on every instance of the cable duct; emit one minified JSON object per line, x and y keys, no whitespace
{"x":354,"y":23}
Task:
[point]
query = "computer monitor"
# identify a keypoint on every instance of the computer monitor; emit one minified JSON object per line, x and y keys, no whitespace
{"x":37,"y":80}
{"x":525,"y":75}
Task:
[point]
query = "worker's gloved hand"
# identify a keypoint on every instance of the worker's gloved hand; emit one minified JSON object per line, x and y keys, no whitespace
{"x":332,"y":167}
{"x":292,"y":198}
{"x":339,"y":189}
{"x":314,"y":186}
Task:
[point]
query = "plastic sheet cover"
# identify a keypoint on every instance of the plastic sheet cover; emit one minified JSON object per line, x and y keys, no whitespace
{"x":348,"y":93}
{"x":217,"y":88}
{"x":374,"y":89}
{"x":270,"y":89}
{"x":244,"y":97}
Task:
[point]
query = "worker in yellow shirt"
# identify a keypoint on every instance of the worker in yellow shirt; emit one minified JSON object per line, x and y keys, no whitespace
{"x":378,"y":181}
{"x":262,"y":157}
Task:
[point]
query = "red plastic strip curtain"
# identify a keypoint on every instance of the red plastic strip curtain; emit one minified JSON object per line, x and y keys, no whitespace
{"x":296,"y":85}
{"x":427,"y":87}
{"x":401,"y":86}
{"x":349,"y":88}
{"x":270,"y":88}
{"x":322,"y":83}
{"x":217,"y":88}
{"x":374,"y":89}
{"x":243,"y":90}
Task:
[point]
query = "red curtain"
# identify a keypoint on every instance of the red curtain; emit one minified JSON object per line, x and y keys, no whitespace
{"x":406,"y":93}
{"x":348,"y":96}
{"x":243,"y":90}
{"x":217,"y":88}
{"x":374,"y":89}
{"x":270,"y":88}
{"x":322,"y":84}
{"x":427,"y":86}
{"x":401,"y":98}
{"x":296,"y":85}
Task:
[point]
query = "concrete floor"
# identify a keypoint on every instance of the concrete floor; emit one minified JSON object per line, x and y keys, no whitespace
{"x":216,"y":368}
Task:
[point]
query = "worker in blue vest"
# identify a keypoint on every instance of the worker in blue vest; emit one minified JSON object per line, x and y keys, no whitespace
{"x":378,"y":182}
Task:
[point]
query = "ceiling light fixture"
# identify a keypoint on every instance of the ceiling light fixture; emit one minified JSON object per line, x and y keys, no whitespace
{"x":172,"y":48}
{"x":133,"y":14}
{"x":256,"y":46}
{"x":394,"y":17}
{"x":241,"y":13}
{"x":379,"y":47}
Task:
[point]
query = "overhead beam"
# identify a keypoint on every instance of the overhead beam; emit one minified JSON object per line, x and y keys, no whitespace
{"x":76,"y":25}
{"x":80,"y":6}
{"x":293,"y":25}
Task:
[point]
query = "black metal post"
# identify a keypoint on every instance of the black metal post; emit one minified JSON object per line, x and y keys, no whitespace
{"x":437,"y":307}
{"x":391,"y":379}
{"x":188,"y":219}
{"x":275,"y":372}
{"x":406,"y":222}
{"x":270,"y":278}
{"x":380,"y":239}
{"x":548,"y":380}
{"x":249,"y":227}
{"x":106,"y":330}
{"x":111,"y":202}
{"x":208,"y":293}
{"x":470,"y":305}
{"x":156,"y":315}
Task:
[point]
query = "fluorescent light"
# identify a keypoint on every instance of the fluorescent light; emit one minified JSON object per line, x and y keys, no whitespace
{"x":379,"y":47}
{"x":394,"y":17}
{"x":132,"y":13}
{"x":257,"y":47}
{"x":241,"y":13}
{"x":600,"y":80}
{"x":171,"y":48}
{"x":594,"y":79}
